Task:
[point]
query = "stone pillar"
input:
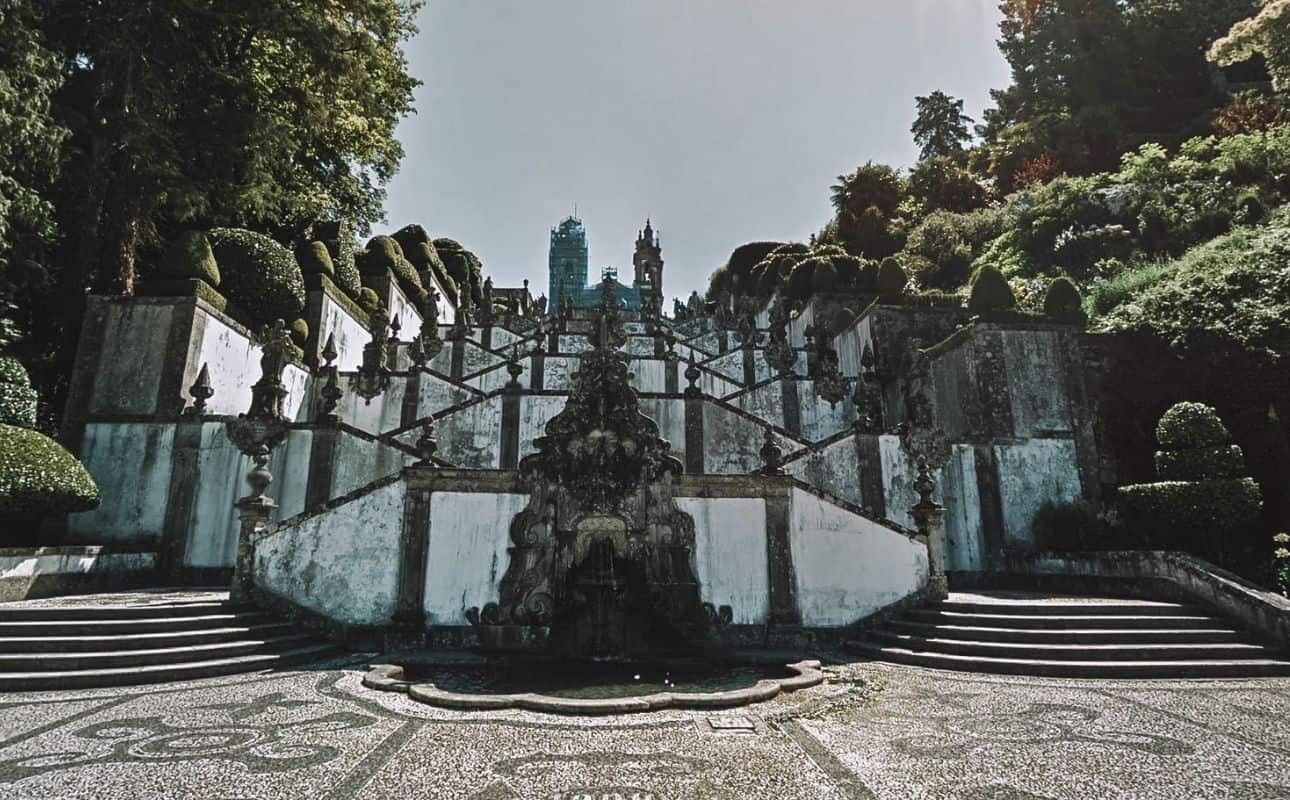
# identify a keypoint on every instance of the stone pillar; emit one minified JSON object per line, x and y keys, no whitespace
{"x":254,"y":512}
{"x":779,"y":555}
{"x":929,"y":518}
{"x":185,"y":478}
{"x":792,"y":405}
{"x":409,"y":616}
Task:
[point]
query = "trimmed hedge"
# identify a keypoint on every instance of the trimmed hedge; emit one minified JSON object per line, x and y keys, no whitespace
{"x":1195,"y":515}
{"x":1187,"y":425}
{"x":1201,"y":463}
{"x":340,"y":245}
{"x":38,"y":476}
{"x":299,"y":332}
{"x":1063,"y":303}
{"x":259,"y":275}
{"x":17,"y":398}
{"x":990,"y":292}
{"x":315,"y":260}
{"x":368,"y":300}
{"x":190,"y":256}
{"x":892,"y":279}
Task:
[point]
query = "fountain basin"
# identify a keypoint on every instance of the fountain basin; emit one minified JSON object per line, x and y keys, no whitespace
{"x":591,"y":688}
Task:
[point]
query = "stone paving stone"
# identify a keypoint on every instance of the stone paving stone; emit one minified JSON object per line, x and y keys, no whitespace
{"x":910,"y":733}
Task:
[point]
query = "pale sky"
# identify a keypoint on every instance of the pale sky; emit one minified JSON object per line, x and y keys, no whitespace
{"x":724,"y":121}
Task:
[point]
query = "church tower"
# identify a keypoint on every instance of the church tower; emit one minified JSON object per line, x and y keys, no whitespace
{"x":648,"y":261}
{"x":567,"y":261}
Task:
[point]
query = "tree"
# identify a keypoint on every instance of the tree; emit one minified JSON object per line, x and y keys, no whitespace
{"x":866,"y":202}
{"x":262,"y":114}
{"x":941,"y":127}
{"x":30,"y":141}
{"x":940,"y":183}
{"x":1267,"y":34}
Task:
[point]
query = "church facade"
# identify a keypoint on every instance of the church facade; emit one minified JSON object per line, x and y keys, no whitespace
{"x":567,"y":270}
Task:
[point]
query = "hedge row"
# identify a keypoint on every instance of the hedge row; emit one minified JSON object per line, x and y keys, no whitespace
{"x":17,"y":398}
{"x":38,"y":476}
{"x":259,"y":275}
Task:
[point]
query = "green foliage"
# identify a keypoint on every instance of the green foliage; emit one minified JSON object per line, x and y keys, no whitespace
{"x":340,"y":246}
{"x":190,"y":256}
{"x":891,"y":279}
{"x":942,"y":183}
{"x":299,"y":332}
{"x":941,"y":127}
{"x":774,"y":270}
{"x":38,"y":476}
{"x":1200,"y":516}
{"x":990,"y":292}
{"x":464,"y":268}
{"x":866,"y":202}
{"x":1121,"y":283}
{"x":1063,"y":303}
{"x":17,"y":398}
{"x":1267,"y":34}
{"x":1191,"y":425}
{"x":315,"y":260}
{"x":259,"y":275}
{"x":1235,"y":288}
{"x":368,"y":300}
{"x":383,"y":253}
{"x":1281,"y":563}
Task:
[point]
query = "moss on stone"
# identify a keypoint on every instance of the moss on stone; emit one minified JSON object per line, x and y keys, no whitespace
{"x":368,"y":300}
{"x":184,"y":287}
{"x":190,"y":256}
{"x":384,"y":254}
{"x":39,"y":476}
{"x":990,"y":292}
{"x":259,"y":275}
{"x":339,"y":240}
{"x":299,"y":332}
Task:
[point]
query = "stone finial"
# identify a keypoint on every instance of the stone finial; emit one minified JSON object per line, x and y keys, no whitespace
{"x":515,"y":369}
{"x":201,"y":391}
{"x":331,"y":391}
{"x":329,"y":352}
{"x":772,"y":454}
{"x":924,"y":485}
{"x":692,"y":375}
{"x":427,"y":445}
{"x":259,"y":477}
{"x":373,"y":375}
{"x":396,"y":325}
{"x":868,"y":363}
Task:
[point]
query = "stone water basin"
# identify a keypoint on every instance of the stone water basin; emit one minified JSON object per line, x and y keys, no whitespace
{"x":590,"y":687}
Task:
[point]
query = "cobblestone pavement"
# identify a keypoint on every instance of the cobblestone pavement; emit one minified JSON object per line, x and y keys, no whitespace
{"x":873,"y":731}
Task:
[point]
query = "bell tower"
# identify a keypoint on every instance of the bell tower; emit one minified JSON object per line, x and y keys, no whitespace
{"x":648,"y":262}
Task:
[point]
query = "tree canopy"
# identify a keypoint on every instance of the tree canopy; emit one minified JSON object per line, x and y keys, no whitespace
{"x":941,"y":128}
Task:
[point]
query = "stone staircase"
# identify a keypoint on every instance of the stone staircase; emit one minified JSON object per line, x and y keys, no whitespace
{"x":141,"y":638}
{"x":1070,"y":636}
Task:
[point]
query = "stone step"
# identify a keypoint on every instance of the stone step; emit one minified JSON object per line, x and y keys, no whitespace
{"x":1221,"y":668}
{"x":61,"y":662}
{"x":1075,"y":652}
{"x":162,"y":673}
{"x":140,"y":641}
{"x":115,"y":627}
{"x":1162,"y":635}
{"x":1071,"y":607}
{"x":170,"y":610}
{"x":932,"y":616}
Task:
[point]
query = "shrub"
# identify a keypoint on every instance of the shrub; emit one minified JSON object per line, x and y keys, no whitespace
{"x":383,"y":253}
{"x":746,"y":256}
{"x":190,"y":256}
{"x":17,"y":398}
{"x":299,"y":332}
{"x":340,"y":245}
{"x":1121,"y":283}
{"x":1063,"y":303}
{"x":409,"y":237}
{"x":315,"y":260}
{"x":258,"y":274}
{"x":464,"y":268}
{"x":990,"y":292}
{"x":891,"y":279}
{"x":38,"y":476}
{"x":368,"y":299}
{"x":1188,"y":425}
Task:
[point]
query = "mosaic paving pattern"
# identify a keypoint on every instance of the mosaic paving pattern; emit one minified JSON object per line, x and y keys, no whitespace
{"x":873,"y":731}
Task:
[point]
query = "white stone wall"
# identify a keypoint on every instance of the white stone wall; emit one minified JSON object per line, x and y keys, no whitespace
{"x":349,"y":333}
{"x":964,"y":536}
{"x":135,"y":336}
{"x":1036,"y":383}
{"x":233,"y":362}
{"x":535,"y":412}
{"x":730,"y":554}
{"x":130,"y":462}
{"x":670,"y":416}
{"x":213,"y":529}
{"x":648,"y":374}
{"x":342,"y":563}
{"x":848,"y":567}
{"x":466,"y":559}
{"x":835,"y":469}
{"x":1030,"y":474}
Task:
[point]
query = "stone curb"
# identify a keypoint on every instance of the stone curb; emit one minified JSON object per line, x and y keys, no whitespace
{"x":389,"y":678}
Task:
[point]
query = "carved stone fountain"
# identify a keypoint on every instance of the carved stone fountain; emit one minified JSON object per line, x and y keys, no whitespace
{"x":600,"y":556}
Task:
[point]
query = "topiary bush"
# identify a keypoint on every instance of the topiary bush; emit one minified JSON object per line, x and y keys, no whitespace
{"x":259,"y":275}
{"x":1063,"y":303}
{"x":384,"y":253}
{"x":339,"y":241}
{"x":990,"y":292}
{"x":314,"y":259}
{"x":190,"y":256}
{"x":38,"y":476}
{"x":1202,"y":501}
{"x":299,"y":332}
{"x":892,"y":279}
{"x":368,"y":300}
{"x":17,"y":398}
